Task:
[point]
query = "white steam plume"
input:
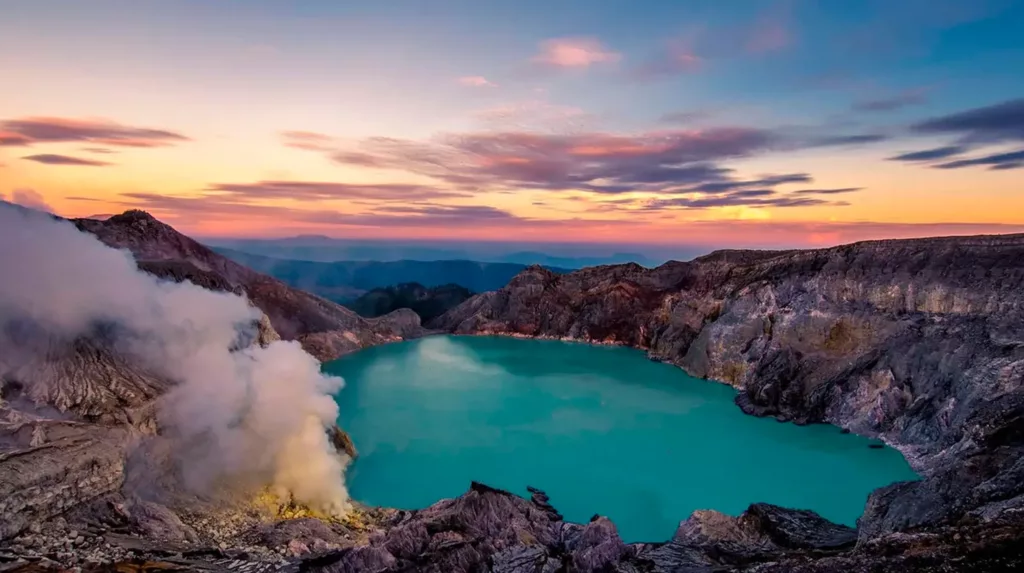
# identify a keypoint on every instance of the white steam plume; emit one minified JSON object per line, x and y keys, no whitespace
{"x":254,"y":416}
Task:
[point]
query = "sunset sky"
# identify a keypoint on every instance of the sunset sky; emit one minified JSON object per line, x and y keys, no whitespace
{"x":720,"y":122}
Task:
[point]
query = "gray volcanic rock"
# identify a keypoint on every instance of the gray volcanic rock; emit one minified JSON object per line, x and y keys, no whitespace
{"x":492,"y":530}
{"x":63,"y":437}
{"x":917,"y":342}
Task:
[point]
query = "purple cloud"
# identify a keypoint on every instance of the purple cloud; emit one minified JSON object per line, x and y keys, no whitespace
{"x":476,"y":82}
{"x":892,"y":103}
{"x":754,"y":198}
{"x":575,"y":52}
{"x":766,"y":181}
{"x":325,"y":191}
{"x":597,"y":162}
{"x":839,"y":140}
{"x":998,"y":161}
{"x":990,"y":124}
{"x":412,"y":216}
{"x":420,"y":216}
{"x":308,"y":140}
{"x":666,"y":162}
{"x":54,"y":159}
{"x":931,"y":154}
{"x":32,"y":130}
{"x":684,"y":117}
{"x":838,"y":191}
{"x":769,"y":34}
{"x":677,"y":58}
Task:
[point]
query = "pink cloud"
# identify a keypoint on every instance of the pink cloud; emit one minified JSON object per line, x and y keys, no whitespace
{"x":769,"y":36}
{"x":477,"y":82}
{"x":31,"y":130}
{"x":308,"y":140}
{"x":771,"y":31}
{"x":534,"y":115}
{"x":578,"y":52}
{"x":677,"y":58}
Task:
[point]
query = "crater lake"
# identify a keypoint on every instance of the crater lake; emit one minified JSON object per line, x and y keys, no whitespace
{"x":600,"y":429}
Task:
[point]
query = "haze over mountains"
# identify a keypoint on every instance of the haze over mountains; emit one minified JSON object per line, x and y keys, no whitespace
{"x":564,"y":255}
{"x":344,"y":281}
{"x":428,"y":303}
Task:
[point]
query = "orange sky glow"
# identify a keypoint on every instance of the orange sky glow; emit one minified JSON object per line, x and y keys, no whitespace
{"x":243,"y":136}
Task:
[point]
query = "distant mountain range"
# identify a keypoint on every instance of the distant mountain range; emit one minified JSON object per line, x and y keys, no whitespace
{"x":567,"y":256}
{"x":344,"y":281}
{"x":428,"y":303}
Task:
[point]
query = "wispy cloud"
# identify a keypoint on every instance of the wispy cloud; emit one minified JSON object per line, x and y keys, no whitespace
{"x":990,"y":124}
{"x":753,"y":198}
{"x":765,"y":181}
{"x":575,"y":52}
{"x":662,"y":162}
{"x":596,"y":162}
{"x":33,"y":130}
{"x":54,"y":159}
{"x":769,"y":34}
{"x":683,"y":168}
{"x":973,"y":129}
{"x":997,"y":161}
{"x":899,"y":101}
{"x":327,"y":191}
{"x":931,"y":154}
{"x":476,"y":82}
{"x":841,"y":140}
{"x":535,"y":115}
{"x":684,"y":117}
{"x":677,"y":58}
{"x":308,"y":140}
{"x":390,"y":219}
{"x":773,"y":30}
{"x":837,"y":191}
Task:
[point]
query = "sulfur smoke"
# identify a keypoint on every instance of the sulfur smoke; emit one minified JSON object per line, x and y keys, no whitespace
{"x":237,"y":412}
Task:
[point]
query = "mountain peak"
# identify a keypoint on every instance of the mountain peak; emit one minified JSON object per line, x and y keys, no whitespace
{"x":134,"y":215}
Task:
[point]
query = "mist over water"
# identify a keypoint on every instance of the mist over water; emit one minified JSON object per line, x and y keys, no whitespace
{"x":600,"y":429}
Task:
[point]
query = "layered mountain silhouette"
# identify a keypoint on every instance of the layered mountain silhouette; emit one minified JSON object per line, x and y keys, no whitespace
{"x":345,"y":281}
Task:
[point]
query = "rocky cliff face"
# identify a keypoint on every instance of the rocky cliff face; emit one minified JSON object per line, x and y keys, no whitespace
{"x":918,"y":342}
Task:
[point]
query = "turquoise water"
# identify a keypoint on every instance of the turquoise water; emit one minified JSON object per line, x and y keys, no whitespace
{"x":600,"y":429}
